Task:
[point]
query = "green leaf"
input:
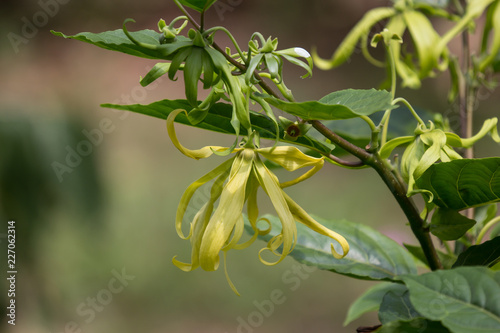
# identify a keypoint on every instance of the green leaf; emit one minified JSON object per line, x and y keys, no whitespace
{"x":396,"y":305}
{"x":343,"y":104}
{"x":198,"y":5}
{"x":446,"y":259}
{"x":370,"y":300}
{"x":218,"y":119}
{"x":464,"y":299}
{"x":461,"y":184}
{"x":485,"y":254}
{"x":372,"y":255}
{"x":417,"y":325}
{"x":116,"y":40}
{"x":448,"y":224}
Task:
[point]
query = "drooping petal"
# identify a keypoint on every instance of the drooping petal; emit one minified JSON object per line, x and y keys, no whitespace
{"x":252,"y":211}
{"x":200,"y":223}
{"x":194,"y":261}
{"x":291,"y":158}
{"x":489,"y":126}
{"x":231,"y":284}
{"x":228,"y":212}
{"x":271,"y":186}
{"x":301,"y":215}
{"x":238,"y":229}
{"x":196,"y":154}
{"x":188,"y":194}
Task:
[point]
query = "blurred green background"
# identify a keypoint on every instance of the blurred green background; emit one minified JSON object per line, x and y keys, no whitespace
{"x":111,"y":212}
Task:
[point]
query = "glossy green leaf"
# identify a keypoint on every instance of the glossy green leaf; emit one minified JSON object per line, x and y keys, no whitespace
{"x":198,"y":5}
{"x":343,"y":104}
{"x":116,"y":40}
{"x":372,"y":255}
{"x":396,"y":305}
{"x":448,"y":224}
{"x":460,"y":184}
{"x":485,"y":254}
{"x":417,"y":325}
{"x":370,"y":300}
{"x":464,"y":299}
{"x":446,"y":259}
{"x":218,"y":119}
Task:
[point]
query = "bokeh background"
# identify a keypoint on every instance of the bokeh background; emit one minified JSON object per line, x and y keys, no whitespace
{"x":112,"y":211}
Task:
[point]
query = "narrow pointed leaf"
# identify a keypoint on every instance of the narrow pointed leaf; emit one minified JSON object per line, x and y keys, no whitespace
{"x":485,"y":254}
{"x":343,"y":104}
{"x":116,"y":40}
{"x":372,"y":256}
{"x":464,"y":299}
{"x":218,"y":119}
{"x":461,"y":184}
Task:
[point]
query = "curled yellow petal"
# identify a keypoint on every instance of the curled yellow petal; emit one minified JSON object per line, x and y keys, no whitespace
{"x":196,"y":154}
{"x":291,"y":158}
{"x":271,"y":186}
{"x":301,"y":215}
{"x":231,"y":284}
{"x":489,"y":126}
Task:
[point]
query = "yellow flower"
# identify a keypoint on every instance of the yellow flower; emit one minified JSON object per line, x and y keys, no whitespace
{"x":236,"y":181}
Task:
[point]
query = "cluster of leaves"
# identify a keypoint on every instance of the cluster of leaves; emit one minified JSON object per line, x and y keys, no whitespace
{"x":459,"y":298}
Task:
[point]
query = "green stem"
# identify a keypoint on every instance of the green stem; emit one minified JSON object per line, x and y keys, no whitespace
{"x":233,"y":40}
{"x":189,"y":17}
{"x":408,"y":105}
{"x":369,"y":122}
{"x":397,"y":188}
{"x":384,"y":123}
